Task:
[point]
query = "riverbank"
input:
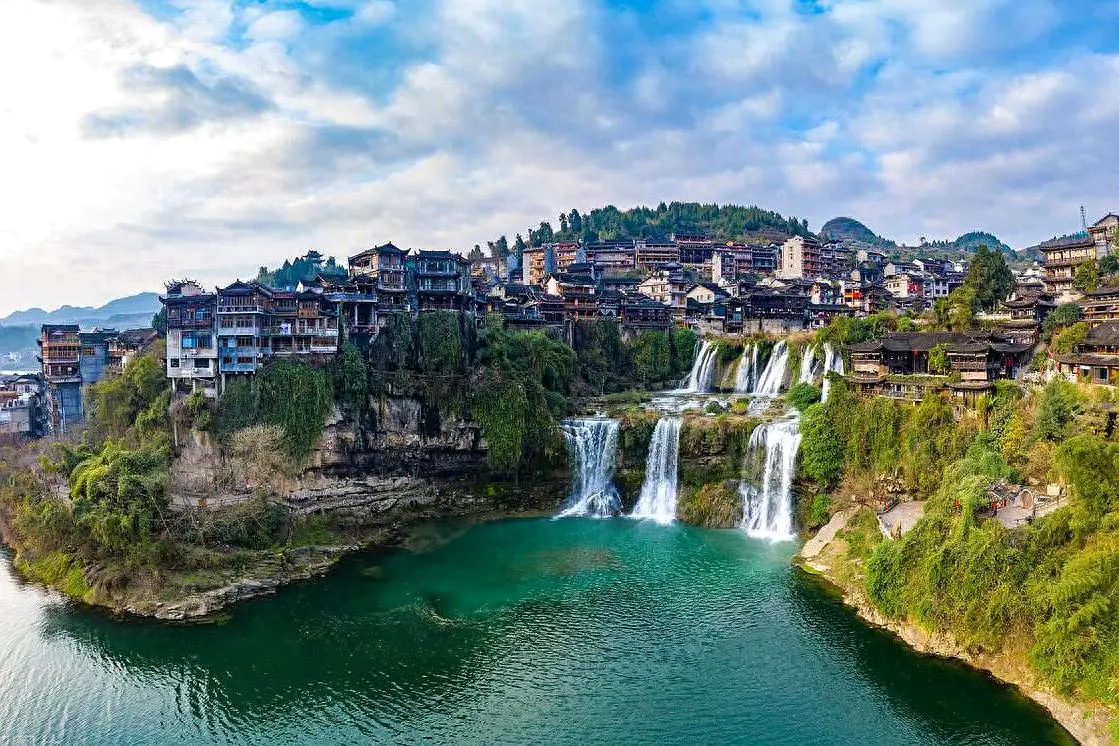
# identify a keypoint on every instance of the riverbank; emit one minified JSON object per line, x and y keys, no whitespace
{"x":375,"y":515}
{"x":825,"y":557}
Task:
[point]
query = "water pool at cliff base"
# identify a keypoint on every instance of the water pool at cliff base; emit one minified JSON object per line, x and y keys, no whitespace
{"x":517,"y":631}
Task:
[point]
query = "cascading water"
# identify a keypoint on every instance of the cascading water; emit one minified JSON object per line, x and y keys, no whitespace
{"x":773,"y":377}
{"x":833,"y":363}
{"x":767,"y":508}
{"x":747,"y":375}
{"x":703,"y":370}
{"x":658,"y":492}
{"x":807,"y":365}
{"x":593,"y":446}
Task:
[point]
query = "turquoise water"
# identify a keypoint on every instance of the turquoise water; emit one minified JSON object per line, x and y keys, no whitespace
{"x":520,"y":631}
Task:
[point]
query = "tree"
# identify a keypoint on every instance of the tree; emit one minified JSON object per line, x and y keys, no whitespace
{"x":1068,"y":338}
{"x":519,"y":245}
{"x":1087,"y":277}
{"x":802,"y":396}
{"x":563,"y":223}
{"x":938,"y":360}
{"x":1063,"y":315}
{"x":576,"y":222}
{"x":821,"y":450}
{"x":159,"y":322}
{"x":962,"y":305}
{"x":1059,"y":404}
{"x":476,"y":254}
{"x":651,"y":357}
{"x":1109,"y":265}
{"x":989,"y":278}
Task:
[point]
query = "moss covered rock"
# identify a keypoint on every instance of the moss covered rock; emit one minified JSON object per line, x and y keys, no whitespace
{"x":714,"y":505}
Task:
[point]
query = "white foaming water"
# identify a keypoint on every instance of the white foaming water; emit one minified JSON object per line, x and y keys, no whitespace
{"x":593,"y":445}
{"x":767,"y":509}
{"x":658,"y":492}
{"x":833,"y":363}
{"x":773,"y":377}
{"x":747,"y":375}
{"x":807,"y":365}
{"x":703,"y":370}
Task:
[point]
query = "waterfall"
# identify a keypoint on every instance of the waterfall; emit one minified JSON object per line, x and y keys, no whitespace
{"x":703,"y":369}
{"x":833,"y":363}
{"x":767,"y":509}
{"x":746,"y":377}
{"x":773,"y":377}
{"x":807,"y":365}
{"x":658,"y":492}
{"x":593,"y":446}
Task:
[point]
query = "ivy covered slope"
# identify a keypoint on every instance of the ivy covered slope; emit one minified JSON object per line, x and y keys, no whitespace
{"x":1043,"y":595}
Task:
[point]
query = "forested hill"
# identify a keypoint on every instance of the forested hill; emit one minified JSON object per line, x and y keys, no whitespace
{"x":851,"y":229}
{"x":720,"y":222}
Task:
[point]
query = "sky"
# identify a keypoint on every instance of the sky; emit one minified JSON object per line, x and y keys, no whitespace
{"x":142,"y":140}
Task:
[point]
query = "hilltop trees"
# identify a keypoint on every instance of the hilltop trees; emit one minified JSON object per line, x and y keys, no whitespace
{"x":721,"y":222}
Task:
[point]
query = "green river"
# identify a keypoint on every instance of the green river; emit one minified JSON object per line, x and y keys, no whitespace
{"x":529,"y":631}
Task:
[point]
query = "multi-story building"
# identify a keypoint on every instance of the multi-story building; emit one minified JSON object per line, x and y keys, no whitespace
{"x":357,"y":303}
{"x":126,"y":345}
{"x":536,"y":265}
{"x":695,"y":249}
{"x":301,"y":322}
{"x":242,"y":327}
{"x":385,"y":264}
{"x":800,"y":257}
{"x":60,"y":356}
{"x":898,"y":366}
{"x":763,"y":259}
{"x":580,"y":302}
{"x":642,"y":312}
{"x":1096,"y":359}
{"x":94,"y":358}
{"x":1027,"y":314}
{"x":835,"y":259}
{"x":611,"y":256}
{"x":1102,"y":232}
{"x":906,"y":285}
{"x":440,"y":281}
{"x":1062,"y":257}
{"x":21,"y":405}
{"x":652,"y":254}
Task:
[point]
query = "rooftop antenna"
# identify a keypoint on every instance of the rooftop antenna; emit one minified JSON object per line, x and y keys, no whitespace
{"x":1083,"y":219}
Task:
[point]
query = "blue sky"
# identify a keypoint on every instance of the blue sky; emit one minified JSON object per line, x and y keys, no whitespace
{"x":151,"y":139}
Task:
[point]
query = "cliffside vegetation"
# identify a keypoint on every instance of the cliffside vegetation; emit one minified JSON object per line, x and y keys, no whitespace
{"x":1046,"y":592}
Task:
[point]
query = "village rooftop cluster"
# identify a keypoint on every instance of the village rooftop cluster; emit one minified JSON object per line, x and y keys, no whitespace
{"x":682,"y":280}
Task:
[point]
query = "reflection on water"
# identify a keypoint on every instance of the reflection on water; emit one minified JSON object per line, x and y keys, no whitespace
{"x":529,"y":631}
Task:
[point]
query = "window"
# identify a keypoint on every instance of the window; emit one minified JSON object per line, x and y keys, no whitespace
{"x":173,"y":362}
{"x":205,"y":341}
{"x":188,"y":342}
{"x":201,"y":363}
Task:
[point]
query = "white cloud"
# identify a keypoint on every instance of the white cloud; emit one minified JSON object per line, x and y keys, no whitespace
{"x":163,"y":148}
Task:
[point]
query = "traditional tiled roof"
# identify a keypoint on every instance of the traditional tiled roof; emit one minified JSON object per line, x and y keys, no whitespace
{"x":1104,"y":335}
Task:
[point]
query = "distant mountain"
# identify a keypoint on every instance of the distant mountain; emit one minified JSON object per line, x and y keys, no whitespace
{"x":839,"y":229}
{"x":114,"y":313}
{"x":20,"y":330}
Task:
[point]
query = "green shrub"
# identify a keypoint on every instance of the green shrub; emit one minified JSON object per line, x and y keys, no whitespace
{"x":802,"y":396}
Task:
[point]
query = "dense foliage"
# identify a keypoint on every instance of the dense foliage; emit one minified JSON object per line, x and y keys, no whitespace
{"x":1049,"y":588}
{"x":291,"y":394}
{"x":1063,"y":315}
